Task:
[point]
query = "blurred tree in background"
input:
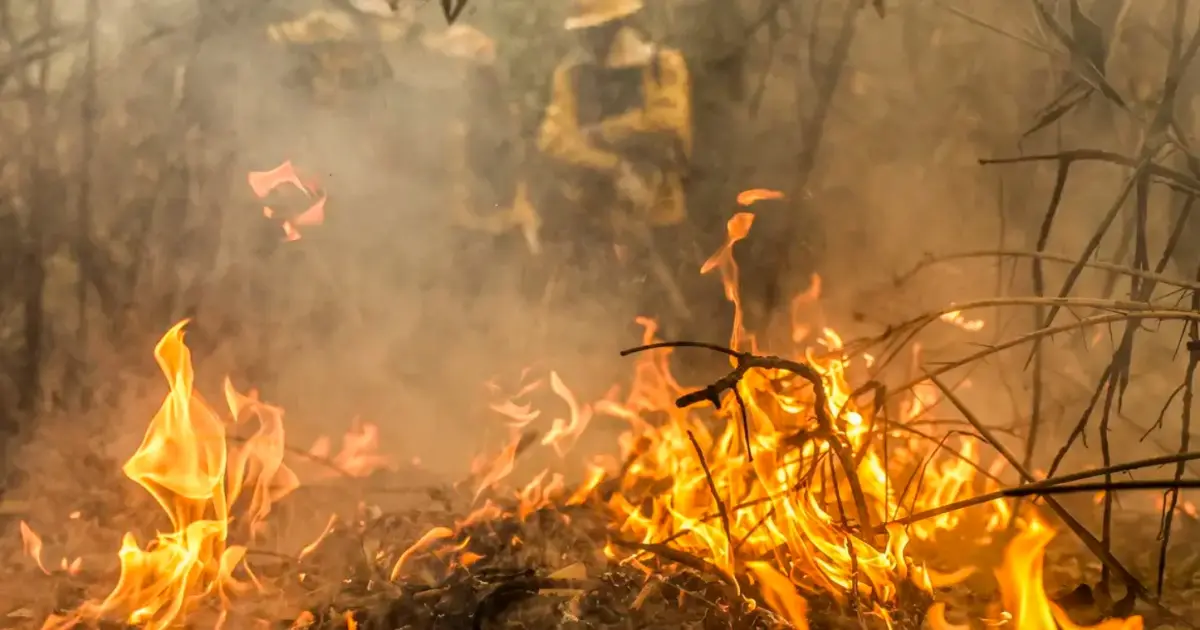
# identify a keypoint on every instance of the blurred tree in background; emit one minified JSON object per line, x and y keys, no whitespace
{"x":127,"y":132}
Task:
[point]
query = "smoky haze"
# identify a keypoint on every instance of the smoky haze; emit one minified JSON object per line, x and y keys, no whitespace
{"x":385,"y":313}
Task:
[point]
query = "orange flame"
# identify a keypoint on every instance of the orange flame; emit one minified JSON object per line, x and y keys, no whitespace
{"x":955,"y":318}
{"x":755,"y":195}
{"x":264,"y":182}
{"x":185,"y":464}
{"x":1023,"y":593}
{"x":31,"y":543}
{"x":359,"y":455}
{"x":777,"y":503}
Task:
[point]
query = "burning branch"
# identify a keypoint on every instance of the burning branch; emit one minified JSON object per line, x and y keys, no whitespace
{"x":712,"y":487}
{"x":1172,"y":485}
{"x":747,"y":361}
{"x":1034,"y":488}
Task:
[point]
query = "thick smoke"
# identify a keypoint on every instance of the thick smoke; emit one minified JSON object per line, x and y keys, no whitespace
{"x":388,"y":312}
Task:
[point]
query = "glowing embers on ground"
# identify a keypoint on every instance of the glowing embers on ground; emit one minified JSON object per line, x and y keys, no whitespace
{"x":186,"y":463}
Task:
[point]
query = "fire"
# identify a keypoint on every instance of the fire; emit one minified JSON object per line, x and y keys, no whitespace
{"x":772,"y":511}
{"x":31,"y":544}
{"x":754,"y":195}
{"x":778,"y":501}
{"x":955,"y":318}
{"x":262,"y":183}
{"x":1024,"y":595}
{"x":185,"y":463}
{"x":359,"y":455}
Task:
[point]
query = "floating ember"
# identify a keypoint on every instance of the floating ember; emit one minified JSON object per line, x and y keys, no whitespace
{"x":264,"y":182}
{"x":755,"y":195}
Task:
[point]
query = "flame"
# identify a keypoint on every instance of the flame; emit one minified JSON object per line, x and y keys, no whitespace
{"x":31,"y":544}
{"x":754,"y":195}
{"x":772,"y":510}
{"x":936,"y":619}
{"x":781,"y":594}
{"x":784,"y":509}
{"x":564,"y":433}
{"x":955,"y":318}
{"x":185,"y":463}
{"x":430,"y":537}
{"x":1024,"y":595}
{"x":262,"y":183}
{"x":359,"y":455}
{"x":737,"y":228}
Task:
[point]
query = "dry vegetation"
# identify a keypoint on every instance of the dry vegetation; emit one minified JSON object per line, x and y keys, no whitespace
{"x":1034,"y":167}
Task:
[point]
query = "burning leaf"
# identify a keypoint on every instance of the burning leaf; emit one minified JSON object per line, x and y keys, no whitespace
{"x":754,"y":195}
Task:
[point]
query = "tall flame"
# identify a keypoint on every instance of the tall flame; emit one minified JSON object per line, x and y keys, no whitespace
{"x":185,"y":463}
{"x":1023,"y":592}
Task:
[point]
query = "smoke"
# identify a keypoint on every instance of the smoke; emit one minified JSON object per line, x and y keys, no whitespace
{"x":391,"y":312}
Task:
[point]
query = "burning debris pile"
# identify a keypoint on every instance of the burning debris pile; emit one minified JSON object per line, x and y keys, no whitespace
{"x":770,"y":498}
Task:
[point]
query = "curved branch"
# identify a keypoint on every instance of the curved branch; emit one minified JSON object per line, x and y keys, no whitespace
{"x":746,"y":362}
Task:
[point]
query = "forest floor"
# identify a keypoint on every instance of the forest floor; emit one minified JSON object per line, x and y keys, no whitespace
{"x":548,"y":570}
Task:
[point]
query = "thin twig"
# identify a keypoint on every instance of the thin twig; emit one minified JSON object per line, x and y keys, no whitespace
{"x":1188,"y":182}
{"x":1105,"y":487}
{"x":1045,"y":257}
{"x":1098,"y":320}
{"x":1105,"y":556}
{"x":712,"y":487}
{"x":982,"y":499}
{"x":1184,"y":438}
